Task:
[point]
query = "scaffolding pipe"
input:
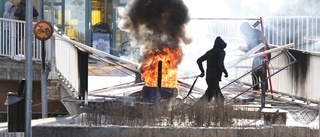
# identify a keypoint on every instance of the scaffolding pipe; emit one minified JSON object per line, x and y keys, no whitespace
{"x":266,"y":55}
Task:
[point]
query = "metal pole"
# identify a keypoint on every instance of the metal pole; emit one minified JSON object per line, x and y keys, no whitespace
{"x":28,"y":67}
{"x":88,"y":23}
{"x":266,"y":55}
{"x":53,"y":46}
{"x":159,"y":84}
{"x":44,"y":82}
{"x":319,"y":122}
{"x":264,"y":83}
{"x":114,"y":27}
{"x":40,"y":10}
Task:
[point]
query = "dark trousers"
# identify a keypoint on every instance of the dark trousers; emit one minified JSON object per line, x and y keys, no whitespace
{"x":213,"y":90}
{"x":257,"y":78}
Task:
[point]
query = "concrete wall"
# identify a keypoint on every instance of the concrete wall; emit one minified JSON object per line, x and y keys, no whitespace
{"x":118,"y":131}
{"x":301,"y":79}
{"x":15,"y":70}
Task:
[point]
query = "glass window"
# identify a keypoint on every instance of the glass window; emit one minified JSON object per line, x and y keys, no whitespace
{"x":57,"y":13}
{"x":101,"y":11}
{"x":75,"y":19}
{"x":97,"y":13}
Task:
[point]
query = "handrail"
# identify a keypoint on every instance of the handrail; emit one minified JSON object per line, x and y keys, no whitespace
{"x":66,"y":58}
{"x":96,"y":51}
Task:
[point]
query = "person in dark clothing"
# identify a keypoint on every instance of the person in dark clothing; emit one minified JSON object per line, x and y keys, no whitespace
{"x":21,"y":11}
{"x":253,"y":37}
{"x":215,"y":67}
{"x":20,"y":14}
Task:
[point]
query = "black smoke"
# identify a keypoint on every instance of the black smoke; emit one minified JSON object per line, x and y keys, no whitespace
{"x":155,"y":23}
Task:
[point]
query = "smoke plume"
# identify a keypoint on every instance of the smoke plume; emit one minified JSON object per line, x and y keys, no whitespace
{"x":155,"y":23}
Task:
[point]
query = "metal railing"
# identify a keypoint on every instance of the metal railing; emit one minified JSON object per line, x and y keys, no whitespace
{"x":240,"y":85}
{"x":66,"y":60}
{"x":66,"y":51}
{"x":303,"y":32}
{"x":12,"y":39}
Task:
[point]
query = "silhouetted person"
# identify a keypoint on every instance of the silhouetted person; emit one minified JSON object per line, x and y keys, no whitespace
{"x":253,"y":37}
{"x":215,"y":67}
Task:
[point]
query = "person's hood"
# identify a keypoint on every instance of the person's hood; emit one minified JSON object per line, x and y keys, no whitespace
{"x":7,"y":6}
{"x":219,"y":43}
{"x":246,"y":29}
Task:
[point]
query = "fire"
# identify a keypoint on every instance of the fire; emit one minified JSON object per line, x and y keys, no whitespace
{"x":170,"y":59}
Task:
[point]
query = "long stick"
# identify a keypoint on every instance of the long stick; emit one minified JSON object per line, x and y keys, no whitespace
{"x":191,"y":88}
{"x":246,"y":55}
{"x":250,"y":54}
{"x":271,"y":50}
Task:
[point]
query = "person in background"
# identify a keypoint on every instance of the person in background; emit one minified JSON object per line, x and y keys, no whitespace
{"x":9,"y":10}
{"x":253,"y":37}
{"x":21,"y":15}
{"x":215,"y":67}
{"x":21,"y":11}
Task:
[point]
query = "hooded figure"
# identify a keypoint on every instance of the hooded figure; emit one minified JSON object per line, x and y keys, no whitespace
{"x":8,"y":13}
{"x":8,"y":10}
{"x":215,"y":67}
{"x":253,"y":37}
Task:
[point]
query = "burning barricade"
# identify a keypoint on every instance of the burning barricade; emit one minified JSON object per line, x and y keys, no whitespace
{"x":158,"y":27}
{"x":161,"y":79}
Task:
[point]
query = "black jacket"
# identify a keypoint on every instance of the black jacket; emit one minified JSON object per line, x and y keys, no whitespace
{"x":21,"y":11}
{"x":215,"y":60}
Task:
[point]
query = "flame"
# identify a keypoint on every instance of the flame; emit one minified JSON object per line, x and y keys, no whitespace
{"x":170,"y":59}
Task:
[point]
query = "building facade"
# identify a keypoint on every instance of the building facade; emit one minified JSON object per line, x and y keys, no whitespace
{"x":77,"y":18}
